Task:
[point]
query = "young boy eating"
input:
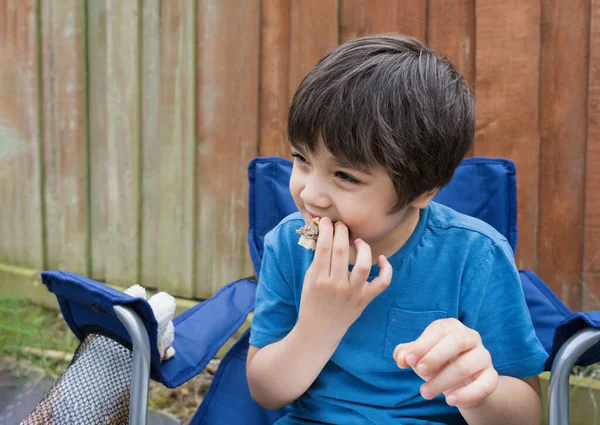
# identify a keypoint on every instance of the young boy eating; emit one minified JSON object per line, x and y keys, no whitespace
{"x":407,"y":312}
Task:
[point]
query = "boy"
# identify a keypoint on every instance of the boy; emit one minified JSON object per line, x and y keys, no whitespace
{"x":407,"y":312}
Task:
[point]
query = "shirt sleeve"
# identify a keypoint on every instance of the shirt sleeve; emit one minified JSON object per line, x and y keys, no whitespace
{"x":493,"y":304}
{"x":275,"y":311}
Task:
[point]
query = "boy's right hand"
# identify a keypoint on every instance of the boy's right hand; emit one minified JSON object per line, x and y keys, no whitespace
{"x":332,"y":297}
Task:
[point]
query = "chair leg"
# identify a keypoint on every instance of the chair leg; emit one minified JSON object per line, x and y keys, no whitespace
{"x":140,"y":373}
{"x":558,"y":391}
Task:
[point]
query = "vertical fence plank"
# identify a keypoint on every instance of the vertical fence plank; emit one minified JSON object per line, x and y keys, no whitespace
{"x":295,"y":34}
{"x":150,"y":87}
{"x":10,"y":140}
{"x":98,"y":134}
{"x":591,"y":251}
{"x":361,"y":17}
{"x":275,"y":92}
{"x":2,"y":20}
{"x":65,"y":190}
{"x":8,"y":143}
{"x":177,"y":147}
{"x":114,"y":47}
{"x":227,"y":128}
{"x":20,"y":168}
{"x":563,"y":103}
{"x":451,"y":32}
{"x":507,"y":84}
{"x":313,"y":32}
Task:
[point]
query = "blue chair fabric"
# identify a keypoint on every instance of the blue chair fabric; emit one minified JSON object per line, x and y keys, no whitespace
{"x":199,"y":332}
{"x":481,"y":187}
{"x":229,"y":389}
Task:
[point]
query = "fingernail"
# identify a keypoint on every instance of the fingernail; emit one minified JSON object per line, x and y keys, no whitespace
{"x":411,"y":359}
{"x":425,"y":392}
{"x":423,"y":370}
{"x":451,"y":400}
{"x":400,"y":356}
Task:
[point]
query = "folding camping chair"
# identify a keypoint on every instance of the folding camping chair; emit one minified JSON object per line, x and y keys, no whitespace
{"x":481,"y":187}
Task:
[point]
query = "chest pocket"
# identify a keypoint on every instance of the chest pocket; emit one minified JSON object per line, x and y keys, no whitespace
{"x":406,"y":326}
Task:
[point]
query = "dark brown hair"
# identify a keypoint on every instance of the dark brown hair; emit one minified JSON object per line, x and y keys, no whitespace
{"x":387,"y":100}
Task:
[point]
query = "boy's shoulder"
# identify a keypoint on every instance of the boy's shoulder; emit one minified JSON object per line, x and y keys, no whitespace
{"x":462,"y":225}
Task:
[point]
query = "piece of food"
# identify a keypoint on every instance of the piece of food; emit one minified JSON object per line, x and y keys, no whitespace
{"x":309,"y":234}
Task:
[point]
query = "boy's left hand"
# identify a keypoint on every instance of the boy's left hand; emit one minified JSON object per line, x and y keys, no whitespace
{"x":451,"y":358}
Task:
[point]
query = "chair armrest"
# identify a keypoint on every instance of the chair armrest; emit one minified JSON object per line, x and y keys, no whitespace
{"x":558,"y":392}
{"x":202,"y":330}
{"x":199,"y":331}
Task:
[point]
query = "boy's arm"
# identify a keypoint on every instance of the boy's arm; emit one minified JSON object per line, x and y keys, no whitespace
{"x":515,"y":401}
{"x":281,"y":372}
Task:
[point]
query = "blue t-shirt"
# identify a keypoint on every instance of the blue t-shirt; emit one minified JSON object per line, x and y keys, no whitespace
{"x":451,"y":266}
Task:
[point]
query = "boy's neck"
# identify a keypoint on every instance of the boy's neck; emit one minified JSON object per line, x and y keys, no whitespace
{"x":394,"y":240}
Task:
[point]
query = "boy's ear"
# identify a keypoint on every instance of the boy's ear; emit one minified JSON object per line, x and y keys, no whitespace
{"x":424,"y":199}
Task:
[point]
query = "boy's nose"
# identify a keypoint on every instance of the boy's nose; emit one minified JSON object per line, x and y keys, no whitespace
{"x":313,"y":194}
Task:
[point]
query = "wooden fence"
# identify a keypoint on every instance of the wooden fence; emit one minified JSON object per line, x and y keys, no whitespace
{"x":126,"y":125}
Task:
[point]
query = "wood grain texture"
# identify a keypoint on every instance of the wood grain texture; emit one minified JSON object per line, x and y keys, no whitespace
{"x":114,"y":47}
{"x":295,"y":34}
{"x":563,"y":112}
{"x":362,"y":17}
{"x":20,"y":168}
{"x":65,"y":144}
{"x":227,"y":128}
{"x":451,"y":33}
{"x":313,"y":33}
{"x":275,"y":91}
{"x":591,"y":247}
{"x":177,"y":148}
{"x":507,"y":83}
{"x":3,"y":15}
{"x":150,"y":122}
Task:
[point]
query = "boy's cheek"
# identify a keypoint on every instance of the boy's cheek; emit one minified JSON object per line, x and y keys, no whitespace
{"x":295,"y":192}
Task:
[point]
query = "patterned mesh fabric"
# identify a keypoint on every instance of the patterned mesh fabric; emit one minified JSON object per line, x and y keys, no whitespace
{"x":93,"y":390}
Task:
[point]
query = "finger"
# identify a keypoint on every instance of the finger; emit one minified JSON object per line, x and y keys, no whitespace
{"x":475,"y":392}
{"x":429,"y":338}
{"x":382,"y":281}
{"x":322,"y":260}
{"x":448,"y":348}
{"x":457,"y":373}
{"x":362,"y":267}
{"x":341,"y":252}
{"x":400,"y":355}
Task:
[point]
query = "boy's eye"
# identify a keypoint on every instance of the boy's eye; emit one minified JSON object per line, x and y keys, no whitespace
{"x":299,"y":158}
{"x":346,"y":178}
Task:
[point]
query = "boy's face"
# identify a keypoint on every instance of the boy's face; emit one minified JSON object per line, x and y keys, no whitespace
{"x":323,"y":187}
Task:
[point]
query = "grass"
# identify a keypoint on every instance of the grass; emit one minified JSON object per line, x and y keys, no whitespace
{"x":27,"y":330}
{"x":34,"y":338}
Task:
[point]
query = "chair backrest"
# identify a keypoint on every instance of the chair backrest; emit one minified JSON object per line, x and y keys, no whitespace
{"x":484,"y":188}
{"x":481,"y":187}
